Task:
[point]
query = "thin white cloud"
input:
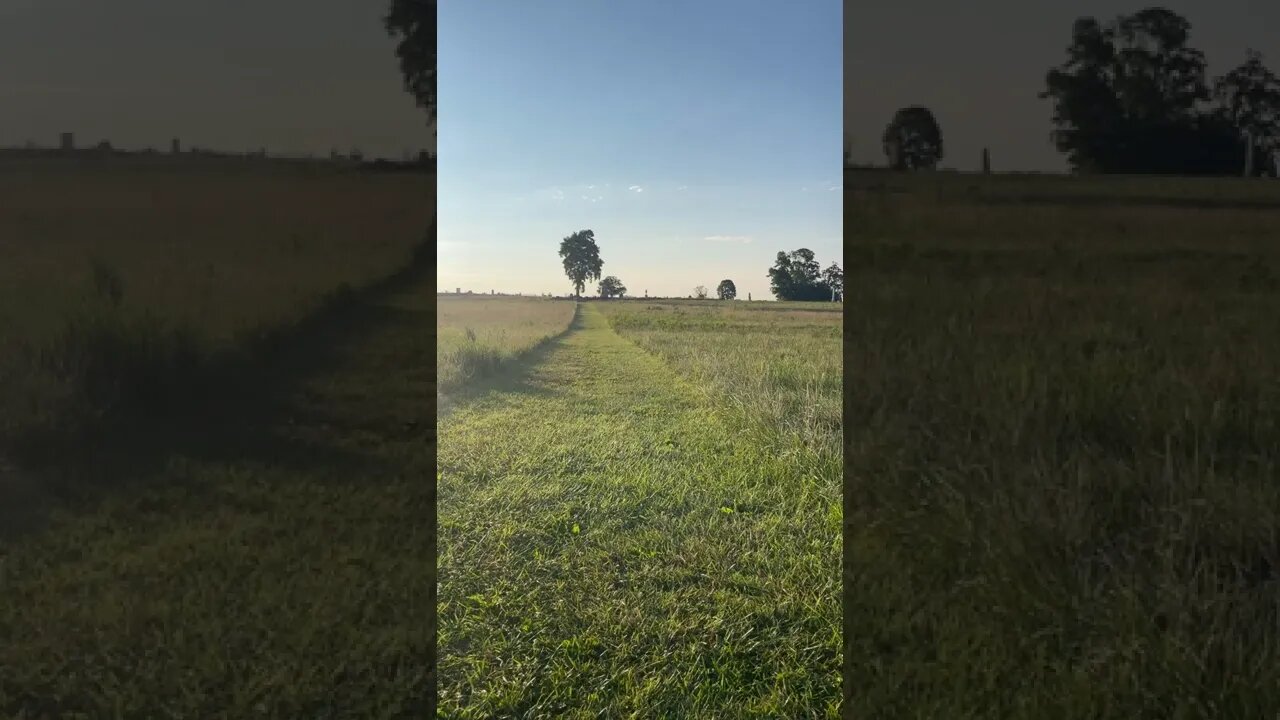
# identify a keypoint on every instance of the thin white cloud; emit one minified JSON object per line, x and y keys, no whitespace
{"x":636,"y":188}
{"x":683,"y":187}
{"x":728,"y":238}
{"x":834,"y":187}
{"x":557,"y":194}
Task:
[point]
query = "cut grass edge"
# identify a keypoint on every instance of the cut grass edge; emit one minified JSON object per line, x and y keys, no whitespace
{"x":486,"y":363}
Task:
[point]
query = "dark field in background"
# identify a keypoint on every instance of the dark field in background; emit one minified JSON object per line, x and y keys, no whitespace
{"x":1061,"y":410}
{"x":122,"y":279}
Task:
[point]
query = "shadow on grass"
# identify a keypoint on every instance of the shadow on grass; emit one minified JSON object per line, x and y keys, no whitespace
{"x":228,"y":407}
{"x":515,"y":376}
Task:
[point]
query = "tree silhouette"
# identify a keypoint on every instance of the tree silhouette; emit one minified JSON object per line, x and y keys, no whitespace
{"x":700,"y":292}
{"x":581,"y":258}
{"x":414,"y":23}
{"x":1130,"y":98}
{"x":1249,"y":98}
{"x":913,"y":140}
{"x":612,"y":287}
{"x":726,"y":290}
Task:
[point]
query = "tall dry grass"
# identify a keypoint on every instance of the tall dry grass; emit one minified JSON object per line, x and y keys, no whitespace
{"x":1063,"y":437}
{"x":120,"y":281}
{"x":476,"y":336}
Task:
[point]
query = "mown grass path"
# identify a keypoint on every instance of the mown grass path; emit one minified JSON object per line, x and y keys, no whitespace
{"x":613,"y":545}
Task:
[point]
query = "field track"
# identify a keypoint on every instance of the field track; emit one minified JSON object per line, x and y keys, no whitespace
{"x":611,"y":543}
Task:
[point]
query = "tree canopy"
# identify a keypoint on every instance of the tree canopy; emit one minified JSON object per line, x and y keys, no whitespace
{"x":833,"y":276}
{"x":913,"y":140}
{"x":1249,"y":99}
{"x":581,"y":258}
{"x":726,"y":290}
{"x":1133,"y":96}
{"x":612,"y":287}
{"x":413,"y":22}
{"x":796,"y":276}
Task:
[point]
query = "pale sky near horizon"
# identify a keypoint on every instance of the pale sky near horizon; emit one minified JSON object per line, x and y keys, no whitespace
{"x":979,"y":66}
{"x":291,"y":76}
{"x":695,"y":139}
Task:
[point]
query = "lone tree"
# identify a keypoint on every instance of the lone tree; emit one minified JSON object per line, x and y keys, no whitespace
{"x":796,"y":276}
{"x":413,"y":22}
{"x":833,"y":276}
{"x":726,"y":290}
{"x":700,"y":292}
{"x":913,"y":140}
{"x":612,"y":287}
{"x":581,"y":258}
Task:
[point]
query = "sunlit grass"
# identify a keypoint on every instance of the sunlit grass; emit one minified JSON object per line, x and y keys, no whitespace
{"x":616,"y":541}
{"x":778,"y":366}
{"x":475,"y":336}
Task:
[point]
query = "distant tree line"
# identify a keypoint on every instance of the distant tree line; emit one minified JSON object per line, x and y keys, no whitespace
{"x":423,"y":162}
{"x":794,"y":276}
{"x":1134,"y":96}
{"x":797,"y":276}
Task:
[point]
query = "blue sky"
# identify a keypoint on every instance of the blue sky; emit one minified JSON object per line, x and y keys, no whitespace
{"x":697,"y":139}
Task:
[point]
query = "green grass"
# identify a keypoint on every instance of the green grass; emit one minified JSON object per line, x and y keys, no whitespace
{"x":477,"y":336}
{"x":617,"y":542}
{"x":777,"y":364}
{"x":1062,"y":444}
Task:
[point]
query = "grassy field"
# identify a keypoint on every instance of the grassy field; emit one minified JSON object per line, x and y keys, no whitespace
{"x":628,"y":530}
{"x":477,"y":336}
{"x":777,"y":364}
{"x":267,"y":552}
{"x":1062,"y":441}
{"x":116,"y":276}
